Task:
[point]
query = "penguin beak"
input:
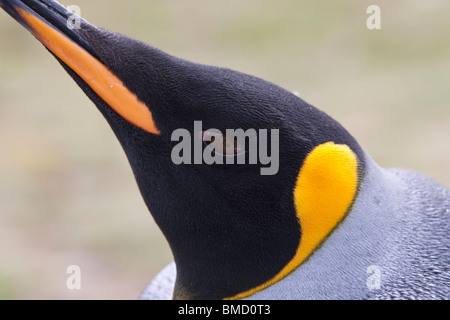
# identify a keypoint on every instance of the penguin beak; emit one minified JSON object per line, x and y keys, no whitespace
{"x":52,"y":25}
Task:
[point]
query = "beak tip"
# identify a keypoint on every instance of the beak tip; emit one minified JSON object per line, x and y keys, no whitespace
{"x":47,"y":21}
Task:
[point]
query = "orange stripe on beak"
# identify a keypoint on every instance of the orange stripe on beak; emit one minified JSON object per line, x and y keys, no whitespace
{"x":96,"y":75}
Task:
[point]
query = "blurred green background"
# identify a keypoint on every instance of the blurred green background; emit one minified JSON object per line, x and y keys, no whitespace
{"x":67,"y":193}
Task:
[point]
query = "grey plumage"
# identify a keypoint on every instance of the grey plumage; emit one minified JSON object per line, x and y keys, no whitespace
{"x":161,"y":287}
{"x":400,"y":223}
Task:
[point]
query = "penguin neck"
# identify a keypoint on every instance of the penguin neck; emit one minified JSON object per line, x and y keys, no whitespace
{"x":222,"y":264}
{"x":359,"y":242}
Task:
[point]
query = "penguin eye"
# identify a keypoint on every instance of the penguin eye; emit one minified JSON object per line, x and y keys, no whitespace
{"x":222,"y":144}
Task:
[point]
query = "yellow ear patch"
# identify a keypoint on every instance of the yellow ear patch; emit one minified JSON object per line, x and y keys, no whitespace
{"x":325,"y":189}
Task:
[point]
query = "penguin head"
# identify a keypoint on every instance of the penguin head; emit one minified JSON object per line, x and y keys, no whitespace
{"x":233,"y":229}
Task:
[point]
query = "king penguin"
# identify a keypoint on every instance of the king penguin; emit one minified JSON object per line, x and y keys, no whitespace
{"x":329,"y":224}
